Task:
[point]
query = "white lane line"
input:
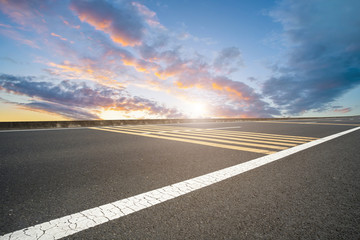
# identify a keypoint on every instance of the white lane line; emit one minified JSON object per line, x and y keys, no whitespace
{"x":41,"y":129}
{"x":71,"y":224}
{"x":222,"y":128}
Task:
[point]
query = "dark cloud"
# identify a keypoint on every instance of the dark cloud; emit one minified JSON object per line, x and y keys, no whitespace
{"x":78,"y":100}
{"x":123,"y":22}
{"x":323,"y":60}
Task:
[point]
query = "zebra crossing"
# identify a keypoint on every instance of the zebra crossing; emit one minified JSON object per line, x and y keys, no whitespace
{"x":263,"y":143}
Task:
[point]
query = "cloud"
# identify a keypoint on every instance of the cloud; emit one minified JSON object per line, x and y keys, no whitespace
{"x":342,"y":110}
{"x":237,"y":98}
{"x":234,"y":98}
{"x":19,"y":11}
{"x":5,"y":25}
{"x":86,"y":69}
{"x":79,"y":100}
{"x":15,"y":35}
{"x":58,"y":36}
{"x":228,"y":60}
{"x":27,"y":13}
{"x":11,"y":60}
{"x":323,"y":54}
{"x":150,"y":16}
{"x":66,"y":111}
{"x":134,"y":51}
{"x":195,"y":73}
{"x":182,"y":75}
{"x":123,"y":23}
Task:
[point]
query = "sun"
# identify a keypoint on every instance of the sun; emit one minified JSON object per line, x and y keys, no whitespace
{"x":197,"y":110}
{"x":112,"y":115}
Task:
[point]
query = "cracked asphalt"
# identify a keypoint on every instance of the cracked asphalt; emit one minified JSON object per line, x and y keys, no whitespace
{"x":313,"y":194}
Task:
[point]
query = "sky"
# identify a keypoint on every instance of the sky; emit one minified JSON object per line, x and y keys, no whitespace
{"x":120,"y":59}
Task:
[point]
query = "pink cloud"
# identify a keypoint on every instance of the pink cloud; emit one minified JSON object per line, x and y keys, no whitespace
{"x":18,"y":37}
{"x":124,"y":24}
{"x":58,"y":36}
{"x":342,"y":110}
{"x":86,"y":69}
{"x":26,"y":13}
{"x":150,"y":16}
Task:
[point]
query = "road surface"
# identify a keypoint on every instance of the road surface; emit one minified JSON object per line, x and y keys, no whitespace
{"x":238,"y":180}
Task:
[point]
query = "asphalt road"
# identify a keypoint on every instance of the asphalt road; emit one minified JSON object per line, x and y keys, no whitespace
{"x":312,"y":194}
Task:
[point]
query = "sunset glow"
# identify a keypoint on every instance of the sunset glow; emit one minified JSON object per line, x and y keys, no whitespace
{"x":198,"y":110}
{"x":111,"y":115}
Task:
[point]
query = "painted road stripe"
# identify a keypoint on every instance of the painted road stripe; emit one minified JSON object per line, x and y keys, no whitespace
{"x":41,"y":129}
{"x":266,"y":134}
{"x":256,"y":150}
{"x":71,"y":224}
{"x":158,"y":128}
{"x":212,"y":140}
{"x":284,"y":138}
{"x":225,"y":131}
{"x":215,"y":135}
{"x":198,"y":132}
{"x":261,"y":138}
{"x":224,"y":127}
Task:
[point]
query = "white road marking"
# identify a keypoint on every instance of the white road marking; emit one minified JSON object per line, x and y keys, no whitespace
{"x":71,"y":224}
{"x":222,"y":128}
{"x":41,"y":129}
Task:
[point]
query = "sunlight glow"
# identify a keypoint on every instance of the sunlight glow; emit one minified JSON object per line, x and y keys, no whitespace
{"x":197,"y":110}
{"x":112,"y":115}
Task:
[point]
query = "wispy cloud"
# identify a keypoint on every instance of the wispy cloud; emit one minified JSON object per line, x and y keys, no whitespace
{"x":342,"y":110}
{"x":59,"y":36}
{"x":323,"y":57}
{"x":86,"y":69}
{"x":26,"y":13}
{"x":17,"y":36}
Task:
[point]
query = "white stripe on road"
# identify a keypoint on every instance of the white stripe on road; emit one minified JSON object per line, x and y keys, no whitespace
{"x":41,"y":129}
{"x":222,"y":128}
{"x":71,"y":224}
